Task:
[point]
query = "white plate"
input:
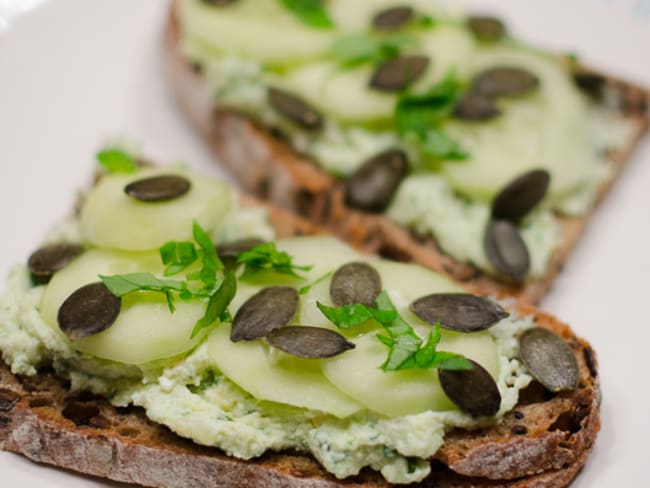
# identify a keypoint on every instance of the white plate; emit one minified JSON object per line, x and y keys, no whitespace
{"x":77,"y":73}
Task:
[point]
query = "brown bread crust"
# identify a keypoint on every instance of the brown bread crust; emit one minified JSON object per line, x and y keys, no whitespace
{"x":268,"y":167}
{"x":43,"y":420}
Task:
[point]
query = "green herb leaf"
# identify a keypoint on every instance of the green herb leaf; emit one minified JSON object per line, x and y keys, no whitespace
{"x":357,"y":49}
{"x":305,"y":289}
{"x":218,"y":304}
{"x":177,"y":256}
{"x":124,"y":284}
{"x":116,"y":160}
{"x":310,"y":12}
{"x":346,"y":316}
{"x":266,"y":257}
{"x":418,"y":118}
{"x":208,"y":255}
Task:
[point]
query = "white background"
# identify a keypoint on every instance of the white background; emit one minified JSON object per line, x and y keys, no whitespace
{"x":75,"y":74}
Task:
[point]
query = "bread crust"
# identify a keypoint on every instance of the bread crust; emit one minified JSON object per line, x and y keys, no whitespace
{"x":43,"y":420}
{"x":268,"y":167}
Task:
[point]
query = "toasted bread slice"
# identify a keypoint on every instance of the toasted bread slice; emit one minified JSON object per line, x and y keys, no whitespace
{"x":543,"y":442}
{"x":267,"y":166}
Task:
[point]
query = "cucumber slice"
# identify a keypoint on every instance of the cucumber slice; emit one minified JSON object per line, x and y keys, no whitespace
{"x":277,"y":377}
{"x":145,"y":329}
{"x":111,"y":219}
{"x":261,"y":30}
{"x":544,"y":130}
{"x":397,"y":393}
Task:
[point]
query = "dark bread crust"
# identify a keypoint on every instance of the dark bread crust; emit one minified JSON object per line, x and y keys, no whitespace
{"x":268,"y":167}
{"x":43,"y":420}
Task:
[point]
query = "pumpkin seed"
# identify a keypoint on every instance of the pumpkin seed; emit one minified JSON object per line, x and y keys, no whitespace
{"x":270,"y":308}
{"x":590,"y":83}
{"x":398,"y":73}
{"x":88,"y":311}
{"x":233,"y":249}
{"x":473,"y":391}
{"x":521,"y":195}
{"x":549,"y":359}
{"x":476,"y":107}
{"x":355,"y":282}
{"x":373,"y":185}
{"x":462,"y":312}
{"x":504,"y":81}
{"x":158,"y":188}
{"x":486,"y":28}
{"x":506,"y":250}
{"x":295,"y":109}
{"x":218,"y":3}
{"x":47,"y":260}
{"x":309,"y":342}
{"x":393,"y":18}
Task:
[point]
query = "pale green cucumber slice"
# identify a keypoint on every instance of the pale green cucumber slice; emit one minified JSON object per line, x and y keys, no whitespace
{"x":275,"y":376}
{"x":262,"y":30}
{"x":543,"y":130}
{"x":450,"y":49}
{"x":397,"y":393}
{"x":111,"y":219}
{"x":145,"y":329}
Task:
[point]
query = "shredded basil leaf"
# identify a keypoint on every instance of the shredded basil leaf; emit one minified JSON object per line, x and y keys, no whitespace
{"x":115,"y":160}
{"x":177,"y":256}
{"x":266,"y":257}
{"x":218,"y":304}
{"x":356,"y":49}
{"x":310,"y":12}
{"x":121,"y":285}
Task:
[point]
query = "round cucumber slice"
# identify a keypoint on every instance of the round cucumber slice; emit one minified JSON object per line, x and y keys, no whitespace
{"x":395,"y":393}
{"x":111,"y":219}
{"x":544,"y":130}
{"x":145,"y":329}
{"x":261,"y":30}
{"x":277,"y":377}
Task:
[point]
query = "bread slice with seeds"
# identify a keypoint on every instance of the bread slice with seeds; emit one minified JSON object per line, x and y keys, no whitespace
{"x":267,"y":166}
{"x":543,"y":442}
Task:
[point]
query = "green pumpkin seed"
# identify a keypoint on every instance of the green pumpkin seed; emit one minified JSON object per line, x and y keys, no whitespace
{"x":398,"y":73}
{"x":158,"y":188}
{"x":486,"y":28}
{"x":355,"y":282}
{"x":549,"y":359}
{"x":521,"y":195}
{"x":309,"y":342}
{"x":473,"y":391}
{"x":218,"y":3}
{"x":393,"y":18}
{"x":47,"y":260}
{"x":295,"y":109}
{"x":271,"y":308}
{"x":476,"y":107}
{"x":88,"y":311}
{"x":506,"y":250}
{"x":505,"y":81}
{"x":462,"y":312}
{"x":232,"y":249}
{"x":373,"y":185}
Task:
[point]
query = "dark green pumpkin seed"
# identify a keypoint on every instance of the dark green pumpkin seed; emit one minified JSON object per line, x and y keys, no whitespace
{"x":398,"y":73}
{"x":393,"y":18}
{"x":486,"y":28}
{"x":355,"y":282}
{"x":88,"y":311}
{"x":218,"y":3}
{"x":549,"y":359}
{"x":476,"y":107}
{"x":506,"y":250}
{"x":47,"y":260}
{"x":158,"y":188}
{"x":233,"y":249}
{"x":295,"y":109}
{"x":505,"y":81}
{"x":593,"y":84}
{"x":473,"y":391}
{"x":521,"y":195}
{"x":373,"y":185}
{"x":462,"y":312}
{"x":271,"y":308}
{"x":309,"y":342}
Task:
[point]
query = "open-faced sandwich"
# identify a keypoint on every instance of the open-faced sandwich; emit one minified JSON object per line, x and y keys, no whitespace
{"x":408,"y":129}
{"x":169,"y":335}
